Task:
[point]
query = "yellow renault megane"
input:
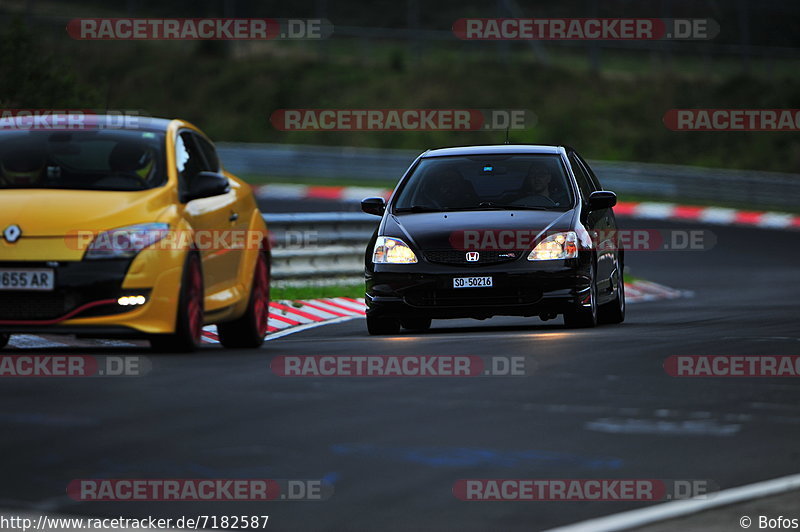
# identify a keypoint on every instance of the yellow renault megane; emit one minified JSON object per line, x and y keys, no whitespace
{"x":128,"y":232}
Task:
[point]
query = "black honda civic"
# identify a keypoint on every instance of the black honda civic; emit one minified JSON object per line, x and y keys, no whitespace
{"x":482,"y":231}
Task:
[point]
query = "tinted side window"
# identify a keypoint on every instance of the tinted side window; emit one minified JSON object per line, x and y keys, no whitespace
{"x":580,"y":176}
{"x":590,"y":173}
{"x":210,"y":154}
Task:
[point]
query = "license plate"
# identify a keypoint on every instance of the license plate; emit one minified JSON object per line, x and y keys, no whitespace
{"x":39,"y":279}
{"x":472,"y":282}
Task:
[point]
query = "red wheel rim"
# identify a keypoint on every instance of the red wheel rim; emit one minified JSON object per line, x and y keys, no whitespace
{"x":195,"y":302}
{"x":261,"y":295}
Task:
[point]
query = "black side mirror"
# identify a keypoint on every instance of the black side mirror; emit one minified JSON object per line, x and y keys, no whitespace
{"x":205,"y":185}
{"x":376,"y":206}
{"x":602,"y":199}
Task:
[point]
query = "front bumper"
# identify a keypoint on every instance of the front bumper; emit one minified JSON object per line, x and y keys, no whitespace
{"x":85,"y":297}
{"x":519,"y":289}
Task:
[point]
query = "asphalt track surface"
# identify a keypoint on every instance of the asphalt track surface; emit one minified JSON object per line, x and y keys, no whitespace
{"x":598,"y":405}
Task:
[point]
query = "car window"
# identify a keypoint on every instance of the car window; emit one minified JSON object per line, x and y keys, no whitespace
{"x":84,"y":160}
{"x":209,"y":153}
{"x":487,"y":181}
{"x":589,"y":172}
{"x":584,"y":184}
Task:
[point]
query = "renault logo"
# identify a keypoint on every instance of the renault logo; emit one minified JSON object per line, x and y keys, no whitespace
{"x":12,"y":233}
{"x":473,"y":256}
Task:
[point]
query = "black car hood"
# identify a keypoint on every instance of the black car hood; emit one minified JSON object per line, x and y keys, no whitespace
{"x":441,"y":230}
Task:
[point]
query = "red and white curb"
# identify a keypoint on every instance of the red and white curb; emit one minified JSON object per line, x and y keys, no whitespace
{"x":289,"y":317}
{"x":645,"y":210}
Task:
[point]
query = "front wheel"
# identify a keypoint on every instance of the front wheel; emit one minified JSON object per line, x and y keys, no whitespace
{"x":4,"y":338}
{"x":249,"y":330}
{"x":189,"y":321}
{"x":585,"y":314}
{"x":614,"y":311}
{"x":382,"y":325}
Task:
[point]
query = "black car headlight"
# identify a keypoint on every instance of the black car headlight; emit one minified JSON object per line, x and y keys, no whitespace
{"x":390,"y":250}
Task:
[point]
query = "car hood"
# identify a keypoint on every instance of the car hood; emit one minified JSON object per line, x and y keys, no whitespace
{"x":445,"y":230}
{"x":50,"y":213}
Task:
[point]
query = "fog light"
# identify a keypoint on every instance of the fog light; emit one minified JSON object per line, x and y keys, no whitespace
{"x":127,"y":301}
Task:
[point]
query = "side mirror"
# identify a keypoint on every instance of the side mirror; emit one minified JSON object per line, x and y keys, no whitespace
{"x":376,"y":206}
{"x":206,"y":185}
{"x":602,"y":199}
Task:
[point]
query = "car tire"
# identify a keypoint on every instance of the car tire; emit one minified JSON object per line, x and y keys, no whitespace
{"x":249,"y":330}
{"x":382,"y":325}
{"x":582,"y":317}
{"x":189,"y":319}
{"x":4,"y":338}
{"x":614,"y":311}
{"x":416,"y":324}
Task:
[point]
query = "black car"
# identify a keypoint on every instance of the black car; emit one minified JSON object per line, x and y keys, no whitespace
{"x":481,"y":231}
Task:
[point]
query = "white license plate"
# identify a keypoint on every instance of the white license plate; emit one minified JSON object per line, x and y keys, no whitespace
{"x":472,"y":282}
{"x":39,"y":279}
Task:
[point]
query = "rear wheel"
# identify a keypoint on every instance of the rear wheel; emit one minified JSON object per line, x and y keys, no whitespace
{"x":614,"y":311}
{"x":416,"y":324}
{"x":382,"y":325}
{"x":249,"y":330}
{"x":585,"y":314}
{"x":189,"y":321}
{"x":4,"y":338}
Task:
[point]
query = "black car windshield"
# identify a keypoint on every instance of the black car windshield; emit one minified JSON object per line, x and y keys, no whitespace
{"x":536,"y":182}
{"x":124,"y":160}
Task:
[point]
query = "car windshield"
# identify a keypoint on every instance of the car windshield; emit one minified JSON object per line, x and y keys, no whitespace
{"x":85,"y":160}
{"x":536,"y":182}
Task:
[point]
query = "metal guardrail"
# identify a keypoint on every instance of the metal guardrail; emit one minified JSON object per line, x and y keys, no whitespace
{"x":319,"y":245}
{"x":760,"y":190}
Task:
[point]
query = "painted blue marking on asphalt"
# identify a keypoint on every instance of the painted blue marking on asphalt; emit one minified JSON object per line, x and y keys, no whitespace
{"x":466,"y":457}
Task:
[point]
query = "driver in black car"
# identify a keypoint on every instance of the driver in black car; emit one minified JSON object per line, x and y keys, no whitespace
{"x":536,"y":188}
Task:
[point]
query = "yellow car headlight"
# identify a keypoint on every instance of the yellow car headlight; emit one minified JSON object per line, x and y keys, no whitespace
{"x":390,"y":250}
{"x":125,"y":242}
{"x":556,"y":246}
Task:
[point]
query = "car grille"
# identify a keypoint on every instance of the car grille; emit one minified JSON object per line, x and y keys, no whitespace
{"x":452,"y":256}
{"x":36,"y":306}
{"x":477,"y":297}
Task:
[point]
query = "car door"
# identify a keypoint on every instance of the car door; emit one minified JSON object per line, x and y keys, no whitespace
{"x":597,"y":223}
{"x":238,"y":214}
{"x":209,"y":217}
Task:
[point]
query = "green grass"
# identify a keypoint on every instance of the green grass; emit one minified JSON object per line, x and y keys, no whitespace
{"x":316,"y":292}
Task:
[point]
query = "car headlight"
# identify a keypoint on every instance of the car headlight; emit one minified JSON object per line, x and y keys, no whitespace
{"x":557,"y":246}
{"x":390,"y":250}
{"x":126,"y":242}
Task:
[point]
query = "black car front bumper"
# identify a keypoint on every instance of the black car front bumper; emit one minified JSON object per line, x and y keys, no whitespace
{"x":521,"y":288}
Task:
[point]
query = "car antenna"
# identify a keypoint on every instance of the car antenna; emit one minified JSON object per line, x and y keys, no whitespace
{"x":507,"y":140}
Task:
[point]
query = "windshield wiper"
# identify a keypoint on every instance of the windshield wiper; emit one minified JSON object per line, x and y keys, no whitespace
{"x":420,"y":208}
{"x":492,"y":205}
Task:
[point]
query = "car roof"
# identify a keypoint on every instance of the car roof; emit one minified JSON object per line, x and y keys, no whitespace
{"x":497,"y":149}
{"x":130,"y":122}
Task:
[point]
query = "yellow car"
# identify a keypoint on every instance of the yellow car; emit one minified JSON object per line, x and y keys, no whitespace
{"x":128,"y":232}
